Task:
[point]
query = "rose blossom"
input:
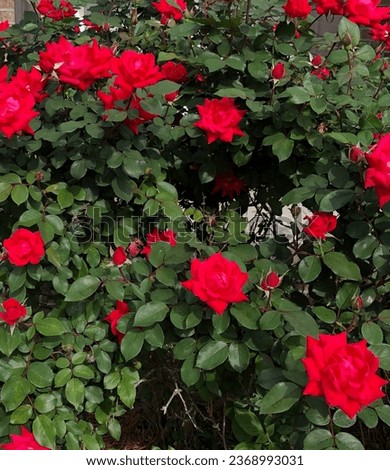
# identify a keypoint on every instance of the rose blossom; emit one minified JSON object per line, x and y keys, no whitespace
{"x":271,"y":281}
{"x":119,"y":256}
{"x":297,"y":8}
{"x":217,"y":282}
{"x":278,"y":71}
{"x":64,"y":10}
{"x":378,"y":173}
{"x":320,"y":223}
{"x":24,"y":441}
{"x":219,"y":118}
{"x":356,"y":154}
{"x":228,"y":185}
{"x":24,"y":247}
{"x":14,"y":311}
{"x":329,"y":6}
{"x":345,"y":374}
{"x":121,"y":309}
{"x":168,"y":10}
{"x":164,"y":236}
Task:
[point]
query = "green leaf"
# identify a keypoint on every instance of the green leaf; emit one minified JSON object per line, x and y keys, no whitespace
{"x":325,"y":314}
{"x":22,"y":414}
{"x":166,"y":276}
{"x":40,"y":374}
{"x":188,"y":372}
{"x":45,"y":403}
{"x":364,"y":247}
{"x":345,"y":441}
{"x":5,"y":190}
{"x":62,"y":377}
{"x":302,"y":323}
{"x":341,"y":420}
{"x":298,"y":95}
{"x":127,"y":388}
{"x":74,"y":392}
{"x":383,"y":411}
{"x":384,"y":316}
{"x":369,"y":417}
{"x":70,"y":126}
{"x":13,"y":392}
{"x":29,"y":218}
{"x":341,"y":266}
{"x":184,"y":348}
{"x":155,"y":336}
{"x":270,"y":320}
{"x":239,"y":356}
{"x":346,"y":294}
{"x":114,"y":428}
{"x":318,"y":439}
{"x":212,"y":354}
{"x":164,"y":87}
{"x":8,"y":342}
{"x":82,"y":371}
{"x":247,"y":315}
{"x":336,"y":199}
{"x":150,"y":313}
{"x":19,"y":194}
{"x":248,"y":421}
{"x":132,"y":343}
{"x":65,"y":198}
{"x":283,"y":149}
{"x":349,"y":32}
{"x":280,"y":398}
{"x":44,"y":431}
{"x":82,"y":288}
{"x":309,"y":268}
{"x":383,"y":352}
{"x":50,"y":327}
{"x":122,"y":188}
{"x":297,"y":195}
{"x":372,"y":333}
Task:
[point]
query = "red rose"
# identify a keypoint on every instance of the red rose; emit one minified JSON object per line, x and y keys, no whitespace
{"x":356,"y":154}
{"x":345,"y":374}
{"x":121,"y":309}
{"x":165,"y":236}
{"x":168,"y":10}
{"x":135,"y":247}
{"x":79,"y":66}
{"x":135,"y":70}
{"x":329,"y":6}
{"x":119,"y":256}
{"x":366,"y":12}
{"x":297,"y":8}
{"x":320,"y":223}
{"x":64,"y":10}
{"x":175,"y":72}
{"x":24,"y":247}
{"x":278,"y":72}
{"x":16,"y":109}
{"x":4,"y":25}
{"x":228,"y":185}
{"x":24,"y":441}
{"x":32,"y":81}
{"x":378,"y":173}
{"x":323,"y":73}
{"x":317,"y":60}
{"x":217,"y":281}
{"x":220,"y":119}
{"x":13,"y":311}
{"x":271,"y":281}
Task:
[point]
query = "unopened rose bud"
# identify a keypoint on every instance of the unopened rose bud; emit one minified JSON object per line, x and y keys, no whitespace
{"x":356,"y":154}
{"x":271,"y":281}
{"x":119,"y":256}
{"x":358,"y":303}
{"x":279,"y":71}
{"x":135,"y":247}
{"x":39,"y":175}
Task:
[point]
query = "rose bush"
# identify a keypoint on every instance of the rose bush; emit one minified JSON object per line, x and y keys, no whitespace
{"x":194,"y":201}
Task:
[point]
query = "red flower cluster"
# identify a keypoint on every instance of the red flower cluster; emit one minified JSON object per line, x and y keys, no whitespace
{"x":297,"y":8}
{"x":169,"y":10}
{"x":79,"y":66}
{"x":24,"y":247}
{"x":228,"y":185}
{"x":320,"y":223}
{"x":13,"y":311}
{"x":18,"y":97}
{"x":217,"y":281}
{"x":24,"y":441}
{"x":378,"y":173}
{"x":121,"y":309}
{"x":345,"y":374}
{"x":220,"y":119}
{"x":167,"y":236}
{"x":48,"y":9}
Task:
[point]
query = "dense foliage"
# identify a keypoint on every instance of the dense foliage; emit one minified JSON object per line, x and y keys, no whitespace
{"x":194,"y":207}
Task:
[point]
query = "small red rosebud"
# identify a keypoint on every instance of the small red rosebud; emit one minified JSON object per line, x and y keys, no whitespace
{"x":199,"y":77}
{"x":358,"y":303}
{"x":271,"y":281}
{"x":135,"y":247}
{"x":356,"y":154}
{"x":119,"y":256}
{"x":39,"y":175}
{"x":278,"y":72}
{"x":317,"y":60}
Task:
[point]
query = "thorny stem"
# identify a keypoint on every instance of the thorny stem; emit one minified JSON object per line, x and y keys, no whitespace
{"x":248,"y":8}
